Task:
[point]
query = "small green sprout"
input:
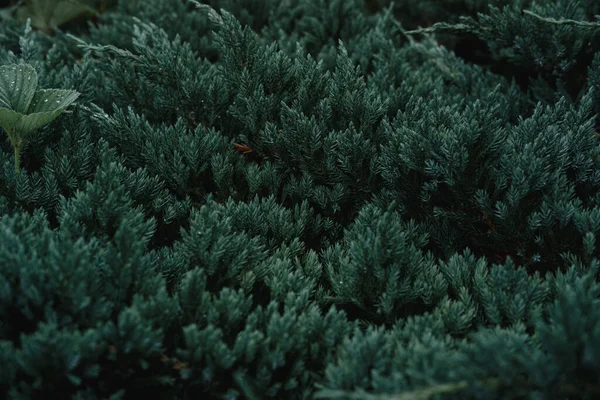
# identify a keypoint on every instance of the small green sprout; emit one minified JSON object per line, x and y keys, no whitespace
{"x":23,"y":109}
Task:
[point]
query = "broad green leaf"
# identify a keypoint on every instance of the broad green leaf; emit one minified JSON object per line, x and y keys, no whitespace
{"x":47,"y":14}
{"x":9,"y":119}
{"x":49,"y":100}
{"x":45,"y":106}
{"x":23,"y":109}
{"x":17,"y":86}
{"x":31,"y":122}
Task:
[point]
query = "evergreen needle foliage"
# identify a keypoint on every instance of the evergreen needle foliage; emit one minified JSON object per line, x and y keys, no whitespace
{"x":296,"y":199}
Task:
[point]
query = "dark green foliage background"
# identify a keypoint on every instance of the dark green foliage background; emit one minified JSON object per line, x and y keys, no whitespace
{"x":417,"y":218}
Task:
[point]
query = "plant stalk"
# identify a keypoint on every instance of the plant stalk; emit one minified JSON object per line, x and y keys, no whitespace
{"x":17,"y":157}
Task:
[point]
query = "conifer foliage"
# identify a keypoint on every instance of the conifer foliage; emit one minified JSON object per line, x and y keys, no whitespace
{"x":296,"y":199}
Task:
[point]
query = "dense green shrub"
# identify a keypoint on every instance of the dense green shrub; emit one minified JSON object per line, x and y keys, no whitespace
{"x":341,"y":199}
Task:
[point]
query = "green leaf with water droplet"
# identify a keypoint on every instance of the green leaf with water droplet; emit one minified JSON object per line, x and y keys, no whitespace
{"x":45,"y":106}
{"x":23,"y":109}
{"x":17,"y":86}
{"x":50,"y":100}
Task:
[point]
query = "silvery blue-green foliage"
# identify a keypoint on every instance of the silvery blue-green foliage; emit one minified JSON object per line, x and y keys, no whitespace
{"x":377,"y":360}
{"x":174,"y":16}
{"x":381,"y":267}
{"x":227,"y":341}
{"x":296,"y":88}
{"x":70,"y":299}
{"x":552,"y":42}
{"x":182,"y":82}
{"x":259,"y":233}
{"x":518,"y":185}
{"x":415,"y":13}
{"x":117,"y":191}
{"x":425,"y":69}
{"x":594,"y":82}
{"x":318,"y":25}
{"x":254,"y":13}
{"x":298,"y":198}
{"x":502,"y":359}
{"x":183,"y":166}
{"x":385,"y":277}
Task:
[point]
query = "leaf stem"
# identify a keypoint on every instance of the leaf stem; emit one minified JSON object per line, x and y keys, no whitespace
{"x":17,"y":157}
